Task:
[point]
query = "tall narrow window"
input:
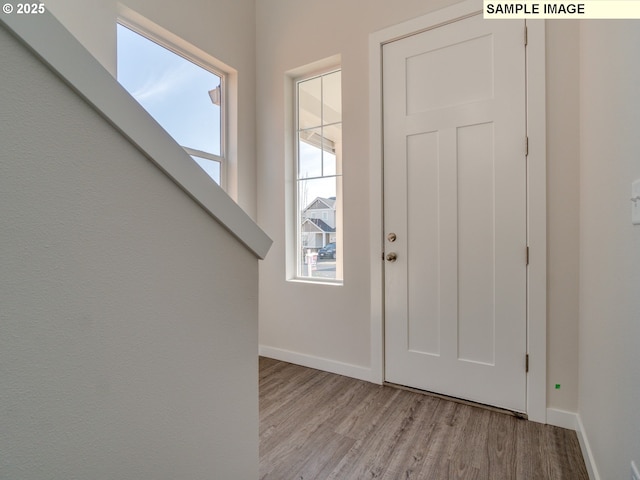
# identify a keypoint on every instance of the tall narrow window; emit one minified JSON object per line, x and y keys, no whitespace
{"x":319,"y":177}
{"x":184,"y":97}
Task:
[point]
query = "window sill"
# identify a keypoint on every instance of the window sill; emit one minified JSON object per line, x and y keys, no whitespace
{"x":319,"y":281}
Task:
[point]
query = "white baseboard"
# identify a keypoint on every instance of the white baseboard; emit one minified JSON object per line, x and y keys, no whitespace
{"x":332,"y":366}
{"x":572,"y":421}
{"x":586,"y":450}
{"x":562,"y":418}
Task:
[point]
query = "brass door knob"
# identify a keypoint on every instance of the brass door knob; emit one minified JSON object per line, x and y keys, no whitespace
{"x":391,"y":257}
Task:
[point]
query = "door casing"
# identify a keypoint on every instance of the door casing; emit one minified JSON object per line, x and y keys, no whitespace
{"x":536,"y":195}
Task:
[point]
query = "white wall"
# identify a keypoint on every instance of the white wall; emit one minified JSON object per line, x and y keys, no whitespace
{"x":129,"y":316}
{"x":610,"y":244}
{"x":327,"y":322}
{"x":563,"y":166}
{"x":223,"y":29}
{"x":333,"y":323}
{"x":93,"y":24}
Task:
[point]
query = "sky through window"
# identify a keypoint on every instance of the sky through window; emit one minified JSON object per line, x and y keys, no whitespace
{"x":174,"y":90}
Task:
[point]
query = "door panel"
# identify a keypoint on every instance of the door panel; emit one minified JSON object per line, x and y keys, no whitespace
{"x":457,"y":74}
{"x":476,"y":247}
{"x":422,"y":212}
{"x":455,"y":196}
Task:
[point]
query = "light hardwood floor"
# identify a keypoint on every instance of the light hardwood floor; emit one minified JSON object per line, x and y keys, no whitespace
{"x":317,"y":425}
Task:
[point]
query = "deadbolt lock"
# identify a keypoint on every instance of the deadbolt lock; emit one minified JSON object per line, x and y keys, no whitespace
{"x":391,"y":237}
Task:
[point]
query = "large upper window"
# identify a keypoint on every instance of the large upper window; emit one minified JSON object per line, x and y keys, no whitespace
{"x":319,"y":177}
{"x":184,"y":97}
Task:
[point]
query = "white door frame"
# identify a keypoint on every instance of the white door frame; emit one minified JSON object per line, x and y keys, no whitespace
{"x":536,"y":196}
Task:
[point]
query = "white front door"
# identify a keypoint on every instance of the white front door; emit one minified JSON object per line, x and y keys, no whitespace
{"x":455,"y":199}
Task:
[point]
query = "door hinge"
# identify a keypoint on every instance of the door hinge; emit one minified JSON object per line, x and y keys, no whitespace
{"x":526,"y":146}
{"x":527,"y":254}
{"x":526,"y":363}
{"x":526,"y":36}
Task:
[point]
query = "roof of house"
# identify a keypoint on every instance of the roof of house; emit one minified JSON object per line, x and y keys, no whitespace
{"x":320,"y":225}
{"x":322,"y":203}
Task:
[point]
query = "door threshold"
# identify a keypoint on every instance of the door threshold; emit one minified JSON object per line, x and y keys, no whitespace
{"x":519,"y":415}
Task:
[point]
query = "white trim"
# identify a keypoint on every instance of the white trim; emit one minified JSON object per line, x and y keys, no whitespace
{"x":562,"y":418}
{"x":319,"y":363}
{"x":205,"y":155}
{"x":376,"y":246}
{"x":68,"y":59}
{"x":587,"y":454}
{"x":214,"y":158}
{"x":537,"y":319}
{"x":537,"y":218}
{"x":155,"y":33}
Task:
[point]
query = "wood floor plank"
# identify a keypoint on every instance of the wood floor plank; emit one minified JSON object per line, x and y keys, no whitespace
{"x":317,"y":426}
{"x":322,"y":462}
{"x":501,"y":448}
{"x":370,"y":454}
{"x":306,"y":459}
{"x":302,"y":413}
{"x":561,"y":450}
{"x":359,"y":420}
{"x":415,"y":444}
{"x":530,"y":450}
{"x":454,"y":418}
{"x":470,"y":457}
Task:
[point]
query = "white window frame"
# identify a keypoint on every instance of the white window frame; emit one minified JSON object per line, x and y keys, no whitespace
{"x":149,"y":30}
{"x":297,"y":211}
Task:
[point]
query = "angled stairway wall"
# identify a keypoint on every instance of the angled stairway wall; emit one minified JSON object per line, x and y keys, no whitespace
{"x":129,"y":313}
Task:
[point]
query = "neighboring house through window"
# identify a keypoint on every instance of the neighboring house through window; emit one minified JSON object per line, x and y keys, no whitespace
{"x":319,"y":223}
{"x":318,"y":176}
{"x":183,"y":94}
